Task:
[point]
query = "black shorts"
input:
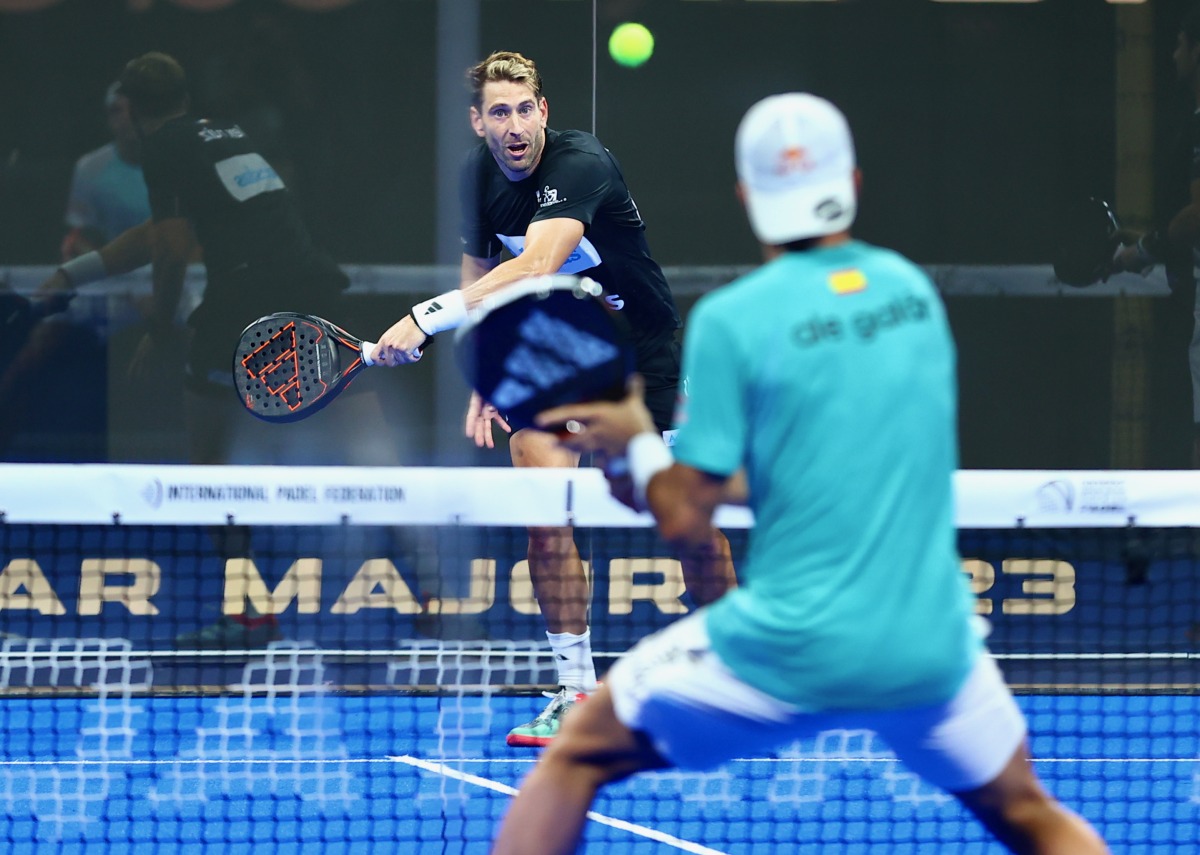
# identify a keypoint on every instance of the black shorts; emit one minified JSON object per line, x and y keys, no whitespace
{"x":658,"y":361}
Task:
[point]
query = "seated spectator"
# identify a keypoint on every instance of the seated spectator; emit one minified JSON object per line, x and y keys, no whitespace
{"x":108,"y":193}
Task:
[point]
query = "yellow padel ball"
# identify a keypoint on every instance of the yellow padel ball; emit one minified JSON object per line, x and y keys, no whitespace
{"x":631,"y":44}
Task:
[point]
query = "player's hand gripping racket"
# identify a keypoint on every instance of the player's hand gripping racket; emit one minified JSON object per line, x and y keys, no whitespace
{"x":1088,"y":242}
{"x":288,"y":366}
{"x":544,"y":342}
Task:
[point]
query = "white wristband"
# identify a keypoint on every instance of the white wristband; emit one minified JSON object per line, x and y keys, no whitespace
{"x":647,"y":455}
{"x":444,"y":312}
{"x":85,"y":268}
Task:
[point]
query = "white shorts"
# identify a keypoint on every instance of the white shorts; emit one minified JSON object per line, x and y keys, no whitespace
{"x":698,"y":714}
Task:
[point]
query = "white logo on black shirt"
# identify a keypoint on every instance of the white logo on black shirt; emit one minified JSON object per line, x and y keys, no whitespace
{"x":547,"y":196}
{"x":210,"y":134}
{"x":247,"y":175}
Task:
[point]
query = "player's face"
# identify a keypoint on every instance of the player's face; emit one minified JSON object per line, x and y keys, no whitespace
{"x":512,"y":120}
{"x":120,"y":121}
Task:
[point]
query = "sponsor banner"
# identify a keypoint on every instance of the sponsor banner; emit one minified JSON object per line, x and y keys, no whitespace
{"x":373,"y":587}
{"x":1077,"y":499}
{"x":272,"y":495}
{"x":321,"y":495}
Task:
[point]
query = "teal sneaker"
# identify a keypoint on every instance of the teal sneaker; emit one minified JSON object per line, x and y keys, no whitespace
{"x":539,"y":732}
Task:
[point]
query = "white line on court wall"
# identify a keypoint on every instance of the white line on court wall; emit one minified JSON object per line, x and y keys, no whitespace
{"x":640,"y":830}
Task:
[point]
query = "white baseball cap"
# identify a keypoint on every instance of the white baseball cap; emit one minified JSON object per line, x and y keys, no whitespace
{"x":795,"y":160}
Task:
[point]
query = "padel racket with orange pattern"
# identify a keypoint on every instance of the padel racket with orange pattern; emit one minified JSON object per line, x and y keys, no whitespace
{"x":288,"y":365}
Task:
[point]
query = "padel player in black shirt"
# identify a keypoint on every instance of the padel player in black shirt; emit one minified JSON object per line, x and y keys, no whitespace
{"x":554,"y":202}
{"x":258,"y":254}
{"x":210,"y":187}
{"x":579,"y":179}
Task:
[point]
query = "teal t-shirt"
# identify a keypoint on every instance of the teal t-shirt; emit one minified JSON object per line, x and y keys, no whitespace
{"x":830,"y":376}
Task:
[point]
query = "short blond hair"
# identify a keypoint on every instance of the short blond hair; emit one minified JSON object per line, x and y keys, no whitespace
{"x":503,"y":65}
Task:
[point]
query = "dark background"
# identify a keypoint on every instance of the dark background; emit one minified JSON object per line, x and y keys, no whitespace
{"x":976,"y":124}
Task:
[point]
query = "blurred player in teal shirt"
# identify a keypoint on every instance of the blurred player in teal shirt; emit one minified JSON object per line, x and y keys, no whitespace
{"x":827,"y":376}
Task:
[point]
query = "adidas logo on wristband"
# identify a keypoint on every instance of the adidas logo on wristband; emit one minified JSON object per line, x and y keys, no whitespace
{"x":444,"y":312}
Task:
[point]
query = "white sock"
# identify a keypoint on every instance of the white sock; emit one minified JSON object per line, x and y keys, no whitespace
{"x":573,"y":659}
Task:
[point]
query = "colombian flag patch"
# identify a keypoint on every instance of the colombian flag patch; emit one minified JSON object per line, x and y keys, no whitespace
{"x":847,"y":281}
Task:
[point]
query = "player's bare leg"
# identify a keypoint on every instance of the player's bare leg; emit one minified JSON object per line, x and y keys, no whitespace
{"x":1025,"y":818}
{"x":555,"y":568}
{"x":561,"y":588}
{"x":594,"y":748}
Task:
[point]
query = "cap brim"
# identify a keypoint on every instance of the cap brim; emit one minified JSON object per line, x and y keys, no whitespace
{"x":802,"y":212}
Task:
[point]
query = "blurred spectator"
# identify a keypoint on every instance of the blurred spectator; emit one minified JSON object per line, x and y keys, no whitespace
{"x":1175,"y":240}
{"x":210,"y":186}
{"x":108,"y":193}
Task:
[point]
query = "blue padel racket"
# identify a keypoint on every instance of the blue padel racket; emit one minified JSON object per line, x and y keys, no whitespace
{"x":288,"y":366}
{"x":543,"y":342}
{"x":1088,"y":241}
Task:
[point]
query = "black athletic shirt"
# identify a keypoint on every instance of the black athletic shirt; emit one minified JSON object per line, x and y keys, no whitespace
{"x":1175,"y":171}
{"x":577,"y":178}
{"x":245,"y":219}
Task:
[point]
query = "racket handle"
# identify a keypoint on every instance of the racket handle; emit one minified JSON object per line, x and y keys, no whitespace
{"x":368,"y":350}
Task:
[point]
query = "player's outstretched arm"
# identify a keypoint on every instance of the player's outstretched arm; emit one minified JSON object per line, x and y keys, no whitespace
{"x":171,"y":244}
{"x":548,"y":245}
{"x":127,"y":251}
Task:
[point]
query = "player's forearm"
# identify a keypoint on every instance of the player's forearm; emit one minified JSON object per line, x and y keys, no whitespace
{"x":684,"y":519}
{"x":524,"y":266}
{"x":473,"y":269}
{"x":449,"y":310}
{"x":736,"y":490}
{"x":129,"y":250}
{"x":1184,"y":229}
{"x":682,"y":499}
{"x":170,"y":269}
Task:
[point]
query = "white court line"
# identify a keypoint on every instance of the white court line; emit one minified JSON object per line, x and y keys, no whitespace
{"x":813,"y":758}
{"x":228,"y":761}
{"x":199,"y":761}
{"x":640,"y":830}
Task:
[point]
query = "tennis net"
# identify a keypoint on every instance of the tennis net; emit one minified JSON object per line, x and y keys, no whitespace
{"x":221,"y":658}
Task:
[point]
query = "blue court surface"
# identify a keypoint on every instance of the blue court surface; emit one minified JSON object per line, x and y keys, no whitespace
{"x":425,"y":774}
